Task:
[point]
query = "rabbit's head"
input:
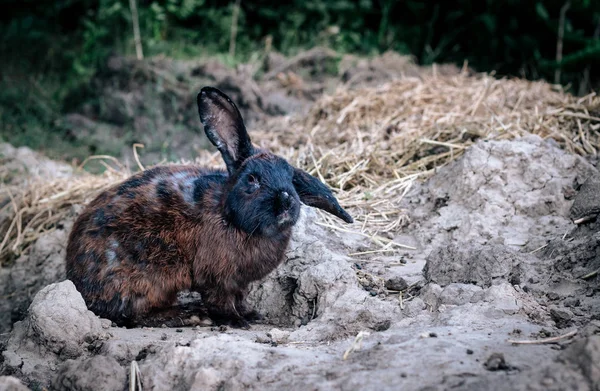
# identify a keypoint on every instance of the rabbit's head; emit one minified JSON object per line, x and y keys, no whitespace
{"x":264,"y":191}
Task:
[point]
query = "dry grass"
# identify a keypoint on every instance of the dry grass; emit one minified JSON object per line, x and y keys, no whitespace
{"x":370,"y":144}
{"x":39,"y":205}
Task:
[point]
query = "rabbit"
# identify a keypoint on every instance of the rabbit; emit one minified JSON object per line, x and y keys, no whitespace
{"x":183,"y":227}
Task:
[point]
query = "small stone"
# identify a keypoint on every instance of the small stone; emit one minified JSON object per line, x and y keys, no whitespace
{"x":194,"y":320}
{"x":163,"y":337}
{"x":469,"y":351}
{"x":278,"y":336}
{"x":262,"y":339}
{"x":571,"y":302}
{"x":561,"y":316}
{"x":433,"y":335}
{"x":396,"y":283}
{"x":552,"y":296}
{"x":178,"y":330}
{"x":496,"y":362}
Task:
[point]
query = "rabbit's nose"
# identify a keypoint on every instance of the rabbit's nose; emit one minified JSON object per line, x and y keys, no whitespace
{"x":285,"y":200}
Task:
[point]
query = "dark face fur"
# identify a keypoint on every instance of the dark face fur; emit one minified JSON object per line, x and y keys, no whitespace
{"x":262,"y":199}
{"x":264,"y":192}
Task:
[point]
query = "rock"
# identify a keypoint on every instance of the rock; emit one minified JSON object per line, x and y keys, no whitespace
{"x":571,"y":302}
{"x":562,"y":316}
{"x":9,"y":383}
{"x":396,"y":283}
{"x":278,"y":336}
{"x":96,"y":373}
{"x":496,"y":362}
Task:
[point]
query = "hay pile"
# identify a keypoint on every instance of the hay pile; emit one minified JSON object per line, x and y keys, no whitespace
{"x":370,"y":144}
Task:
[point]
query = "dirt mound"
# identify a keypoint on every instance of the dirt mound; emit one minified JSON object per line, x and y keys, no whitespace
{"x":480,"y":315}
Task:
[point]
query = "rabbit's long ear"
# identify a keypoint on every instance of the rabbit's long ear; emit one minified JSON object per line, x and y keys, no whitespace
{"x":313,"y":192}
{"x":224,"y":127}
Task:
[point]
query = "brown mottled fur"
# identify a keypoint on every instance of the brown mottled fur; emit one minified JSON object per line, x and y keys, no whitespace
{"x":177,"y":228}
{"x":177,"y":245}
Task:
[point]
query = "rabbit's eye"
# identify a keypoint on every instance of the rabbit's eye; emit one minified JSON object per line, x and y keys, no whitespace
{"x":253,"y":183}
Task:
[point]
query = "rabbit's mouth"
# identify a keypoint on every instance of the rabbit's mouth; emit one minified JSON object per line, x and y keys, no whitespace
{"x":288,"y":217}
{"x":284,"y":219}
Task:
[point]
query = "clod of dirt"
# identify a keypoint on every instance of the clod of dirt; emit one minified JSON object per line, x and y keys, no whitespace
{"x":278,"y":336}
{"x":496,"y":362}
{"x":396,"y":283}
{"x":459,"y":294}
{"x":59,"y":326}
{"x":561,"y":316}
{"x":481,"y":265}
{"x":318,"y":285}
{"x":587,"y":201}
{"x":42,"y":265}
{"x":96,"y":373}
{"x":579,"y":256}
{"x":9,"y":383}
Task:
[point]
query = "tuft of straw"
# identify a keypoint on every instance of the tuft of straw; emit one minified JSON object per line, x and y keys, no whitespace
{"x":39,"y":206}
{"x":369,"y":144}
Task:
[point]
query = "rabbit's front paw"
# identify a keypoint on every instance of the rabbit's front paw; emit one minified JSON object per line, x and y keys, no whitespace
{"x":234,"y":321}
{"x":252,"y":316}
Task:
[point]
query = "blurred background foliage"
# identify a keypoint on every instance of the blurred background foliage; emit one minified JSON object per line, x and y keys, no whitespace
{"x":51,"y":48}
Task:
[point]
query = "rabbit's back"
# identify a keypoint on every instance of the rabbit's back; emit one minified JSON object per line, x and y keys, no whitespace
{"x":125,"y":253}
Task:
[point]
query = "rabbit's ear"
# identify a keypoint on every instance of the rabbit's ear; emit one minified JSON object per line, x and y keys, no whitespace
{"x":313,"y":192}
{"x":224,"y":127}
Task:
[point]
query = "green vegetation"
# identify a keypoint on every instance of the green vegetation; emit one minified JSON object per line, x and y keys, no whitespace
{"x":50,"y":50}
